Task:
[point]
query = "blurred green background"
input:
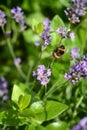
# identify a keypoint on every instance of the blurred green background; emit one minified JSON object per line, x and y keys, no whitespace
{"x":23,"y":43}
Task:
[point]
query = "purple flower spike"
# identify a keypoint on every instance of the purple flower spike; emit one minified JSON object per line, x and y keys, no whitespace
{"x":45,"y":35}
{"x":2,"y":18}
{"x":77,"y":9}
{"x":46,"y":22}
{"x":64,"y":32}
{"x":78,"y":71}
{"x":3,"y":89}
{"x":18,"y":16}
{"x":74,"y":53}
{"x":42,"y":74}
{"x":76,"y":127}
{"x":82,"y":125}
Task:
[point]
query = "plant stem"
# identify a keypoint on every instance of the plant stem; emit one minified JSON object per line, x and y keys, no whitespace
{"x":77,"y":105}
{"x":54,"y":87}
{"x":84,"y":43}
{"x":13,"y":56}
{"x":40,"y":93}
{"x":28,"y":74}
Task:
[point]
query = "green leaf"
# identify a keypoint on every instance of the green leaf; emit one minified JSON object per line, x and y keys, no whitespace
{"x":27,"y":113}
{"x":54,"y":108}
{"x":30,"y":127}
{"x":30,"y":36}
{"x":37,"y":107}
{"x":10,"y":118}
{"x":55,"y":40}
{"x":34,"y":19}
{"x":57,"y":126}
{"x":19,"y":89}
{"x":39,"y":127}
{"x":57,"y":22}
{"x":47,"y":110}
{"x":38,"y":28}
{"x":24,"y":101}
{"x":64,"y":2}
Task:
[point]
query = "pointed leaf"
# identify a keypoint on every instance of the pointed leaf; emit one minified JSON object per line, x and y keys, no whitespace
{"x":38,"y":28}
{"x":24,"y":101}
{"x":56,"y":22}
{"x":30,"y":127}
{"x":57,"y":126}
{"x":20,"y":89}
{"x":49,"y":110}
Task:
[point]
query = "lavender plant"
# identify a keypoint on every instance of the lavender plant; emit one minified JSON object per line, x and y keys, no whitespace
{"x":47,"y":91}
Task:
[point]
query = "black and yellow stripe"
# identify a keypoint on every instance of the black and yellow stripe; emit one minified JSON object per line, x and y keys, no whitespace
{"x":59,"y":51}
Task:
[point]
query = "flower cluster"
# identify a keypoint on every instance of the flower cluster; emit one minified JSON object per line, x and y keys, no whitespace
{"x":17,"y":60}
{"x":77,"y":9}
{"x":45,"y":35}
{"x":82,"y":125}
{"x":3,"y":89}
{"x":64,"y":32}
{"x":78,"y":71}
{"x":18,"y":16}
{"x":74,"y":53}
{"x":42,"y":74}
{"x":2,"y":18}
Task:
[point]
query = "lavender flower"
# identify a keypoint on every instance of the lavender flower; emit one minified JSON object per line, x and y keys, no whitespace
{"x":82,"y":125}
{"x":75,"y":54}
{"x":3,"y":89}
{"x":64,"y":32}
{"x":42,"y":74}
{"x":2,"y":18}
{"x":78,"y":71}
{"x":37,"y":43}
{"x":77,"y":127}
{"x":18,"y":16}
{"x":46,"y":22}
{"x":71,"y":35}
{"x":45,"y":35}
{"x":72,"y":16}
{"x":17,"y":60}
{"x":77,"y":9}
{"x":8,"y":33}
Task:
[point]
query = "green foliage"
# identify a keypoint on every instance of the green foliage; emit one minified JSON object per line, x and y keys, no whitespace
{"x":39,"y":28}
{"x":57,"y":126}
{"x":47,"y":110}
{"x":11,"y":118}
{"x":18,"y":90}
{"x":36,"y":113}
{"x":24,"y":101}
{"x":57,"y":22}
{"x":31,"y":127}
{"x":33,"y":106}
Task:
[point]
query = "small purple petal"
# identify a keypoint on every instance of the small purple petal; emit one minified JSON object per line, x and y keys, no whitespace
{"x":71,"y":35}
{"x":18,"y":16}
{"x":46,"y":22}
{"x":42,"y":74}
{"x":74,"y":53}
{"x":37,"y":43}
{"x":17,"y":60}
{"x":3,"y":20}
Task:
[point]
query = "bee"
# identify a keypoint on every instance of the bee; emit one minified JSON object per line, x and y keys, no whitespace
{"x":58,"y":52}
